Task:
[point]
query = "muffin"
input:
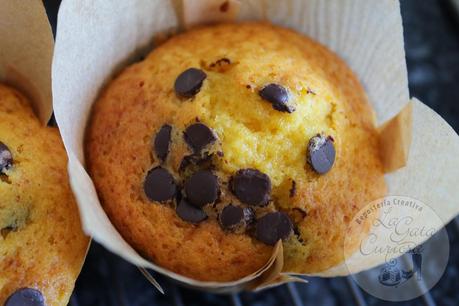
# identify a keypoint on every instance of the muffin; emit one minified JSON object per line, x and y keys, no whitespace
{"x":229,"y":138}
{"x":42,"y":246}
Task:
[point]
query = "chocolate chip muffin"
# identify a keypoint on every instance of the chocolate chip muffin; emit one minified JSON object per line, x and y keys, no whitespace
{"x":229,"y":138}
{"x":42,"y":246}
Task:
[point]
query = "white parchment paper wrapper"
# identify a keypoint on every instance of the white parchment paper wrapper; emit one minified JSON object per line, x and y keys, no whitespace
{"x":26,"y":52}
{"x":96,"y":38}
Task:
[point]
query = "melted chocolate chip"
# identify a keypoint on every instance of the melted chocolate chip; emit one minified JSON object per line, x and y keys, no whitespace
{"x":162,"y":142}
{"x":321,"y":153}
{"x":160,"y":185}
{"x":278,"y":96}
{"x":190,"y":213}
{"x":198,"y":136}
{"x":251,"y":187}
{"x":26,"y":297}
{"x":189,"y":82}
{"x":272,"y":227}
{"x":6,"y":158}
{"x":202,"y":188}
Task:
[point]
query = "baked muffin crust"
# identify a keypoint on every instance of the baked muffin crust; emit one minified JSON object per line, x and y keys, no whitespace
{"x":42,"y":245}
{"x":265,"y":131}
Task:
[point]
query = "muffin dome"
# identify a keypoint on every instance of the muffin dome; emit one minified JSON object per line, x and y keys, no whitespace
{"x":227,"y":138}
{"x":42,"y":245}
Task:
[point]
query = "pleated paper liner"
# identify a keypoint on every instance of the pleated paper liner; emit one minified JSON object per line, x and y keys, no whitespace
{"x":26,"y":53}
{"x":96,"y":39}
{"x":26,"y":44}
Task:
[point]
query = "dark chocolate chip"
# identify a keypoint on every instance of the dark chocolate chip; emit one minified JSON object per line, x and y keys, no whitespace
{"x":159,"y":185}
{"x":162,"y":142}
{"x":26,"y":297}
{"x":190,"y":213}
{"x":6,"y":158}
{"x":251,"y":187}
{"x":231,"y":216}
{"x":189,"y":82}
{"x":272,"y":227}
{"x":293,"y":189}
{"x":278,"y":96}
{"x":198,"y":136}
{"x":234,"y":218}
{"x":202,"y":188}
{"x":321,"y":153}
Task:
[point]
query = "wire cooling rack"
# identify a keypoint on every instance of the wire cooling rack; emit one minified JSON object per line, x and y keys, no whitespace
{"x":432,"y":47}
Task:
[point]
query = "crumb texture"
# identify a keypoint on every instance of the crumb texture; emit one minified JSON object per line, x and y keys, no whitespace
{"x":42,"y":245}
{"x":239,"y":60}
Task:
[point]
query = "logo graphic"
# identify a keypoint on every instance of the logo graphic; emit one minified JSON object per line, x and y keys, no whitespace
{"x":408,"y":237}
{"x":392,"y":275}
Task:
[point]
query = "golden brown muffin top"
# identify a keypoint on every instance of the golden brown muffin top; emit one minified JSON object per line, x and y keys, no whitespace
{"x":42,"y":246}
{"x":253,"y":129}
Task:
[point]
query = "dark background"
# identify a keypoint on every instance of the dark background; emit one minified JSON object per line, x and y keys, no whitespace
{"x":432,"y":50}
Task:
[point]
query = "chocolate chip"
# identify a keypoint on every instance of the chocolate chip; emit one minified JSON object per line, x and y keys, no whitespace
{"x":235,"y":217}
{"x":159,"y":185}
{"x":321,"y":153}
{"x":272,"y":227}
{"x":26,"y":297}
{"x":189,"y":82}
{"x":190,"y":213}
{"x":6,"y":158}
{"x":278,"y":96}
{"x":198,"y":136}
{"x":251,"y":187}
{"x":202,"y":188}
{"x":162,"y":142}
{"x":231,"y":216}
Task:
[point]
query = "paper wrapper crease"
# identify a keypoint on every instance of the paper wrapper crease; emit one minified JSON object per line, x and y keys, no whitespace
{"x":95,"y":39}
{"x":26,"y":52}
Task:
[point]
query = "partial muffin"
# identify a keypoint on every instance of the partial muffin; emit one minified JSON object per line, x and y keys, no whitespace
{"x":226,"y":139}
{"x":42,"y":246}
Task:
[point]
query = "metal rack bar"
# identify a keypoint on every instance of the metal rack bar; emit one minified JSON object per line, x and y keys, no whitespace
{"x":356,"y":292}
{"x":294,"y":295}
{"x":426,"y":297}
{"x":177,"y":296}
{"x":236,"y":299}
